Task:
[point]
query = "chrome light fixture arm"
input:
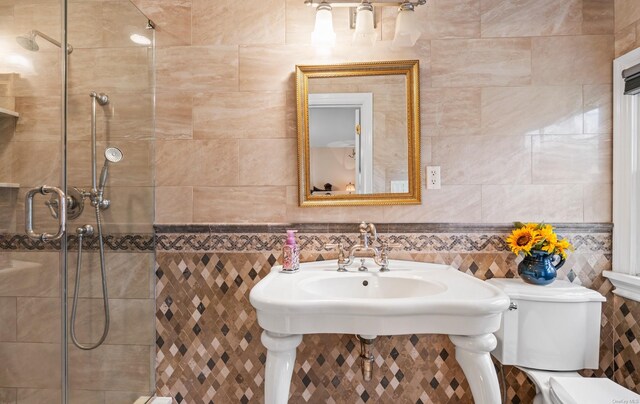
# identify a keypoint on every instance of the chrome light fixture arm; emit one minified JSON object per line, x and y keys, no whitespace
{"x":351,"y":3}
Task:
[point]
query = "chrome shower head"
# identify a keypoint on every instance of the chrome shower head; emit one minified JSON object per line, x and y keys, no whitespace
{"x":28,"y":41}
{"x":113,"y":154}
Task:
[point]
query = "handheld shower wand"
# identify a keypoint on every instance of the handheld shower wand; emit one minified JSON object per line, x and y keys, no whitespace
{"x":111,"y":155}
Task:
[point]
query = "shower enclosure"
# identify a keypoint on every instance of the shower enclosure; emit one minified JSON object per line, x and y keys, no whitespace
{"x":76,"y":192}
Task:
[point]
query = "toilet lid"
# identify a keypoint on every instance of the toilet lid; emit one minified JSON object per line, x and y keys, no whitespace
{"x":587,"y":390}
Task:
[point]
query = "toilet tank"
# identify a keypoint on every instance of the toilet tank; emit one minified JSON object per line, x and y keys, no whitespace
{"x":554,"y":327}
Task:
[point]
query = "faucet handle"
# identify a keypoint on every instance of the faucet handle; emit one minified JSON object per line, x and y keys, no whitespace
{"x":342,"y":262}
{"x":384,"y":255}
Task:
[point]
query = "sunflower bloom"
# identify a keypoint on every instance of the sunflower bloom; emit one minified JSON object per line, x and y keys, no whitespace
{"x":522,"y":240}
{"x":562,"y":246}
{"x":549,"y":239}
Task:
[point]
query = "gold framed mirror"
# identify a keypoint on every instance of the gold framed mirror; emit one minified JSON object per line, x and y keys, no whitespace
{"x":359,"y":134}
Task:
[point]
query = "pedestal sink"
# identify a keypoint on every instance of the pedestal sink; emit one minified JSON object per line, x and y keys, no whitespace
{"x":412,"y":298}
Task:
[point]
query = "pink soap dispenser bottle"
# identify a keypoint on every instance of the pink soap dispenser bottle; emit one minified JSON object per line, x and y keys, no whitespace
{"x":291,"y":253}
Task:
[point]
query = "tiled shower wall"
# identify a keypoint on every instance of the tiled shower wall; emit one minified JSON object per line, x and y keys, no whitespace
{"x":117,"y":372}
{"x":208,"y":341}
{"x":516,"y":101}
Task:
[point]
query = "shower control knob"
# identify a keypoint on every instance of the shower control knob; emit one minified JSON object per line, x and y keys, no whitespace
{"x":86,"y":230}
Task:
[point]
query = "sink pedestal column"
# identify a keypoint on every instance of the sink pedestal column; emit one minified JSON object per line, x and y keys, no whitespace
{"x":473,"y":355}
{"x":281,"y":357}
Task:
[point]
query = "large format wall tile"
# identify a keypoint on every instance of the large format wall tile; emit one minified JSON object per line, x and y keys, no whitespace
{"x":172,"y":19}
{"x":268,"y":162}
{"x":598,"y":108}
{"x":461,"y":202}
{"x":174,"y":116}
{"x":233,"y":22}
{"x":448,"y":111}
{"x":112,"y":367}
{"x":35,"y":275}
{"x":7,"y":320}
{"x":502,"y":18}
{"x":561,"y":159}
{"x":571,"y":60}
{"x":239,"y":204}
{"x":239,"y":115}
{"x":129,"y":274}
{"x":480,"y":62}
{"x":597,"y":16}
{"x":532,"y":203}
{"x":626,"y":12}
{"x":531,"y":110}
{"x":597,"y":203}
{"x":483,"y":159}
{"x":337,"y":214}
{"x":180,"y":163}
{"x":197,"y":68}
{"x":30,"y":365}
{"x":174,"y":205}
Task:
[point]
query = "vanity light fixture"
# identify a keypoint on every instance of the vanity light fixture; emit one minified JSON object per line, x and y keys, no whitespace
{"x":362,"y":19}
{"x":407,"y":28}
{"x":365,"y":34}
{"x":323,"y":34}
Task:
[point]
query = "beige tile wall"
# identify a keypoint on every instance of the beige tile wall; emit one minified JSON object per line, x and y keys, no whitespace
{"x":627,"y":20}
{"x":516,"y":108}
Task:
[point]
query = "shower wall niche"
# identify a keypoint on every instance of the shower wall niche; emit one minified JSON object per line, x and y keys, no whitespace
{"x":113,"y":53}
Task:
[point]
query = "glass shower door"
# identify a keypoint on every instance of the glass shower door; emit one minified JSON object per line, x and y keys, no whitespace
{"x":30,"y":156}
{"x":112,"y":53}
{"x":113,"y":59}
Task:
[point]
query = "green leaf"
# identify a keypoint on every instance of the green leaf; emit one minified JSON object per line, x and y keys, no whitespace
{"x":518,"y":225}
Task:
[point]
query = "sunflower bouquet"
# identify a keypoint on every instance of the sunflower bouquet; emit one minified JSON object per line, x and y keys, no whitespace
{"x":527,"y":237}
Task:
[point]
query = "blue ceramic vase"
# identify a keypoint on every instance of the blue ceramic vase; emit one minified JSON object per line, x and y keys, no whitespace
{"x":538,"y":268}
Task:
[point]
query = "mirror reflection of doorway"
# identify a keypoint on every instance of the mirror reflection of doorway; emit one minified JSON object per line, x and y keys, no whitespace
{"x":341,"y":142}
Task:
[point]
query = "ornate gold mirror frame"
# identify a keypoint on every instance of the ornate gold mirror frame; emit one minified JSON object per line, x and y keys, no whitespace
{"x":407,"y":68}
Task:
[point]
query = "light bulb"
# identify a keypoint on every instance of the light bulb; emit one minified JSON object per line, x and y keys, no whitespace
{"x":365,"y":34}
{"x":323,"y":34}
{"x":407,"y":28}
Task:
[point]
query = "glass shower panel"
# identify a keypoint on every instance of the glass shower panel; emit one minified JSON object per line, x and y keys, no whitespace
{"x":113,"y":55}
{"x":30,"y":156}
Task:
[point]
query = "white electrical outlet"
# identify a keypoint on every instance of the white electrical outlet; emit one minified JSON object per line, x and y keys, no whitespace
{"x":433,"y":177}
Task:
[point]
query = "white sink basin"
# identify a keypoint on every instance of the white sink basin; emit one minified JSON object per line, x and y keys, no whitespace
{"x":414,"y":297}
{"x":366,"y":286}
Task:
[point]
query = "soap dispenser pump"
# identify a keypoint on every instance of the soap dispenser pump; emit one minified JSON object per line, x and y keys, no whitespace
{"x":291,"y":253}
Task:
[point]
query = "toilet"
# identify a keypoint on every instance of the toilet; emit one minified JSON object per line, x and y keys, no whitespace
{"x":550,"y":332}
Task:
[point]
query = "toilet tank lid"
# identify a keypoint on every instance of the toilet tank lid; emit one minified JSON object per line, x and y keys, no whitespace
{"x":558,"y":291}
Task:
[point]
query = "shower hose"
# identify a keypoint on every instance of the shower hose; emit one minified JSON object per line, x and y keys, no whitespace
{"x":76,"y":289}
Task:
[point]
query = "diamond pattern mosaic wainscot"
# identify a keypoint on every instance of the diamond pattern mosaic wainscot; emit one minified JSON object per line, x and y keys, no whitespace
{"x":208,"y":341}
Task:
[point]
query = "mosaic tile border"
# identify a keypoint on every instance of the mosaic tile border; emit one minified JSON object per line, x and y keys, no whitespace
{"x":113,"y":242}
{"x":271,"y":238}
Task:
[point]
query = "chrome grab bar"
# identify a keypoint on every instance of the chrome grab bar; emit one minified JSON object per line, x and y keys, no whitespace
{"x":62,"y":213}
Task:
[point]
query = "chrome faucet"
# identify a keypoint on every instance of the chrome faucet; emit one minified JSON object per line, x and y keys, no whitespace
{"x":368,"y":235}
